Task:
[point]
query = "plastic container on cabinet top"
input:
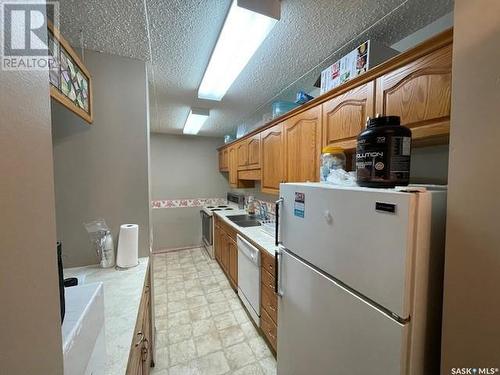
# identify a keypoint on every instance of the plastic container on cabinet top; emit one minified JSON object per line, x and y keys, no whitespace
{"x":282,"y":107}
{"x":383,"y":153}
{"x":332,"y":158}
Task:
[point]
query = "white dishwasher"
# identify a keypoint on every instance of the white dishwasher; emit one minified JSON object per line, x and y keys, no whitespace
{"x":249,"y":277}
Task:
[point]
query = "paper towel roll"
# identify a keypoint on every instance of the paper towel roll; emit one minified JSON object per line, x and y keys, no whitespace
{"x":128,"y":245}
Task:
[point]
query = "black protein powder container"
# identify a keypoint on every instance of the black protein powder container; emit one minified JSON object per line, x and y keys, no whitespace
{"x":383,"y":153}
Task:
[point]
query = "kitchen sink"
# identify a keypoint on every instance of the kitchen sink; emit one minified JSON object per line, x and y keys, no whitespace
{"x":245,"y":220}
{"x":237,"y":218}
{"x":248,"y":223}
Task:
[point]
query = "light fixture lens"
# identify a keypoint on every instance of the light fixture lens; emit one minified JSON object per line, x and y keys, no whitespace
{"x":195,"y":121}
{"x":242,"y":34}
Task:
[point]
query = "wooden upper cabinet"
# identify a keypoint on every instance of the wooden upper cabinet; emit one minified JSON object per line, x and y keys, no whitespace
{"x":254,"y":152}
{"x":242,"y":152}
{"x":302,"y":146}
{"x":233,"y":166}
{"x":226,"y":159}
{"x":344,"y":116}
{"x":420,"y":93}
{"x":272,"y":159}
{"x":249,"y":153}
{"x":223,"y":160}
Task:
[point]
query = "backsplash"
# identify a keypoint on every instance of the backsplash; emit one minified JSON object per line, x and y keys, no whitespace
{"x":187,"y":202}
{"x":271,"y":207}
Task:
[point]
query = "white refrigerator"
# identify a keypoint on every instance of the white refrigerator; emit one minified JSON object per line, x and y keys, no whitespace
{"x":359,"y":279}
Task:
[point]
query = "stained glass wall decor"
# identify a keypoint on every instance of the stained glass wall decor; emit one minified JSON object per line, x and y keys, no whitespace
{"x":70,"y":81}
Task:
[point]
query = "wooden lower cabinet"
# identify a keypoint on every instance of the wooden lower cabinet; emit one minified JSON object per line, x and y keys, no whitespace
{"x":268,"y":300}
{"x":140,"y":357}
{"x":226,"y":254}
{"x":233,"y":261}
{"x":269,"y":329}
{"x":226,"y":251}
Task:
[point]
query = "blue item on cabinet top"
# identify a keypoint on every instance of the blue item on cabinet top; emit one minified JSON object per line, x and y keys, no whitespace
{"x":282,"y":107}
{"x":303,"y":97}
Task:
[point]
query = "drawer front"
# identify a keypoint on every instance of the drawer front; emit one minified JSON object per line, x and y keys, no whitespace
{"x":269,"y":329}
{"x":267,"y":279}
{"x":268,"y":263}
{"x":270,"y":302}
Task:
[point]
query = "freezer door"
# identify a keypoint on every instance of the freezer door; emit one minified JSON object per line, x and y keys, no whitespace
{"x":325,"y":330}
{"x":363,"y":237}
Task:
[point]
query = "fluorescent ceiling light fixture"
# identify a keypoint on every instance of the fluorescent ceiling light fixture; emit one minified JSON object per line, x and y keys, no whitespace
{"x":195,"y":120}
{"x":242,"y":34}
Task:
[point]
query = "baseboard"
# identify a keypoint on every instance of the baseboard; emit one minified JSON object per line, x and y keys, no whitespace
{"x":170,"y":250}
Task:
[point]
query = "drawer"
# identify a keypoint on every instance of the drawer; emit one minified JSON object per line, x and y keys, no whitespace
{"x":270,"y":302}
{"x":269,"y":329}
{"x":267,"y":279}
{"x":268,"y":262}
{"x":253,"y":174}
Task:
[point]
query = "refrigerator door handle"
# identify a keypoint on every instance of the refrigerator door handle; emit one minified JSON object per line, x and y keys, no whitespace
{"x":277,"y":266}
{"x":277,"y":222}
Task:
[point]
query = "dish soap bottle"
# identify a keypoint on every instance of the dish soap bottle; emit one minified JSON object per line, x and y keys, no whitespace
{"x":251,"y":205}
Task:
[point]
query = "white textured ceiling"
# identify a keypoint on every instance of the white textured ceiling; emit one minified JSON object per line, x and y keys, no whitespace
{"x":182,"y":33}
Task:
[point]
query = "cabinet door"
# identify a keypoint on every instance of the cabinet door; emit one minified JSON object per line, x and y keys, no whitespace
{"x":419,"y":92}
{"x":233,"y":168}
{"x":217,"y":243}
{"x":225,"y":252}
{"x":272,"y":159}
{"x":302,"y":144}
{"x":225,"y":159}
{"x":233,"y":261}
{"x":242,"y":152}
{"x":254,"y":152}
{"x":344,"y":116}
{"x":148,"y":341}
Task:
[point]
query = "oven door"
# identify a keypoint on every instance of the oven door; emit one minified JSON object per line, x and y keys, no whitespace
{"x":206,"y":229}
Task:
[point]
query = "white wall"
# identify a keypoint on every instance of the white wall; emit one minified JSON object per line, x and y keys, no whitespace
{"x":471,"y":327}
{"x":183,"y":167}
{"x":29,"y":290}
{"x":439,"y":25}
{"x":101,"y":170}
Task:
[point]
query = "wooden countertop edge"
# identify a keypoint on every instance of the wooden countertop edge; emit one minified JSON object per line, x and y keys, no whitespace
{"x":441,"y":40}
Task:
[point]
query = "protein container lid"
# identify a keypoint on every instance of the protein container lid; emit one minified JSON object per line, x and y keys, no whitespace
{"x":383,"y":121}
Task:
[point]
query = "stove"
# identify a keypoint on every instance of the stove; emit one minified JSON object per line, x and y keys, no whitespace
{"x":221,"y":207}
{"x":207,"y":224}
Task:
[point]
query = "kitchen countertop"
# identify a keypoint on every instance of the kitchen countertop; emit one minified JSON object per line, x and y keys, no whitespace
{"x":122,"y":296}
{"x":254,"y":234}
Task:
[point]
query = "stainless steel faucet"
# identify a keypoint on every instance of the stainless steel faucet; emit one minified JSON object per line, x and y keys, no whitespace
{"x":262,"y":210}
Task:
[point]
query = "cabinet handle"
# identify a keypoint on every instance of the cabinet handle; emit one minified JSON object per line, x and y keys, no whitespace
{"x":145,"y":350}
{"x":142,"y":338}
